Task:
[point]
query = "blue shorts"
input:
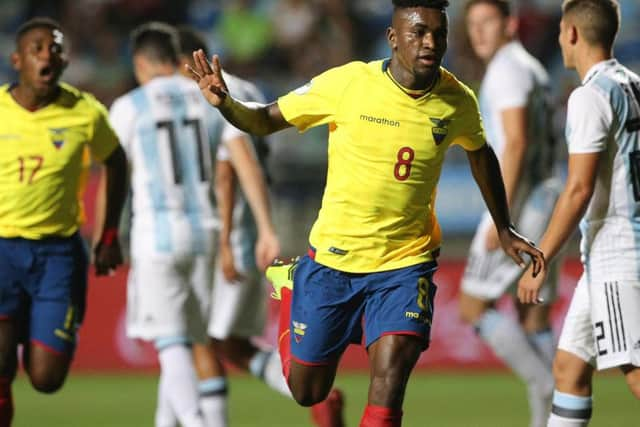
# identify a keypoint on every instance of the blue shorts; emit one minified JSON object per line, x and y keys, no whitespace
{"x":43,"y":287}
{"x":331,"y":309}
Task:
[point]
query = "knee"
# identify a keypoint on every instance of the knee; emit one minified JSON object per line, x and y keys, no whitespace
{"x":47,"y":382}
{"x":470,"y":309}
{"x":633,"y":381}
{"x":308,"y":396}
{"x":571,"y":378}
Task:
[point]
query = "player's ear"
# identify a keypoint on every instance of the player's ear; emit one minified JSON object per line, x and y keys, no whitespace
{"x":573,"y":34}
{"x":16,"y":61}
{"x":512,"y":26}
{"x":391,"y":38}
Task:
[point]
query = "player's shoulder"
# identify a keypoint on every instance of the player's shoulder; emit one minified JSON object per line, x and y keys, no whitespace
{"x":514,"y":61}
{"x":354,"y":69}
{"x":243,"y":89}
{"x":451,"y":86}
{"x":5,"y":95}
{"x":79,"y":101}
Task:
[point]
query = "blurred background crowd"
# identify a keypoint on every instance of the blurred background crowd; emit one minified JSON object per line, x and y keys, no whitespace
{"x":279,"y":45}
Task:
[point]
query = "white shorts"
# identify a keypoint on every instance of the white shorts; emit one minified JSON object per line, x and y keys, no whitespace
{"x":238,"y":308}
{"x":490,"y":274}
{"x":162,"y":301}
{"x":603,"y":323}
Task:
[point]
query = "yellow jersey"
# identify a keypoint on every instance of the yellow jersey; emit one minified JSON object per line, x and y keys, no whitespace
{"x":42,"y":158}
{"x":385,"y":154}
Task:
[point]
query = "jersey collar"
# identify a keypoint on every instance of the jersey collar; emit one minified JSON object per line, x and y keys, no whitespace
{"x":387,"y":73}
{"x":595,"y":69}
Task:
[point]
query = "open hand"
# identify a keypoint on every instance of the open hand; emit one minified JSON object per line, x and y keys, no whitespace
{"x":208,"y":75}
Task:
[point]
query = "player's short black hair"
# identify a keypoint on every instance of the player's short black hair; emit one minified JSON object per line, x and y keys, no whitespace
{"x":431,"y":4}
{"x":157,"y":41}
{"x":504,"y":6}
{"x":599,"y":20}
{"x":37,"y":22}
{"x":190,"y":40}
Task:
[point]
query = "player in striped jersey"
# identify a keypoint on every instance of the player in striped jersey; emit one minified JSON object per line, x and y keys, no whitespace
{"x":516,"y":112}
{"x":602,"y":193}
{"x":238,"y":299}
{"x":171,"y":136}
{"x":47,"y":130}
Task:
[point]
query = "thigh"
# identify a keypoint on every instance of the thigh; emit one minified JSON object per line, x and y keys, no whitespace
{"x":615,"y":313}
{"x":325,"y":313}
{"x":400,"y":302}
{"x":577,"y":332}
{"x":57,"y":288}
{"x":16,"y":260}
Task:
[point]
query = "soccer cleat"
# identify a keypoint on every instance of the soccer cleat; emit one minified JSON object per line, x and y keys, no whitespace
{"x":328,"y":413}
{"x":280,"y":274}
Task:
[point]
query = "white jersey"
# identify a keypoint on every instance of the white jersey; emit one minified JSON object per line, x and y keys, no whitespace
{"x":170,"y":134}
{"x":604,"y":116}
{"x":516,"y":79}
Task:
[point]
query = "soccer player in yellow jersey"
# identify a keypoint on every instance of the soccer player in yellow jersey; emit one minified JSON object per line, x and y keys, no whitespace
{"x":45,"y":129}
{"x":368,"y":274}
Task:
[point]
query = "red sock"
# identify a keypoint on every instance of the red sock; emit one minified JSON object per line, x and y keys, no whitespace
{"x":378,"y":416}
{"x":284,"y":334}
{"x":6,"y":402}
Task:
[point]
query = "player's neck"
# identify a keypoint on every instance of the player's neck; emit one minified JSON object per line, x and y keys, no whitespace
{"x":29,"y":99}
{"x":155,"y":71}
{"x":409,"y":80}
{"x":589,"y":58}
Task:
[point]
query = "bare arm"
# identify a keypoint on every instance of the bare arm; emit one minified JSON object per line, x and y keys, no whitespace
{"x":514,"y":123}
{"x":486,"y":172}
{"x":254,"y":187}
{"x":107,"y":253}
{"x":254,"y":118}
{"x":569,"y":209}
{"x":225,"y":185}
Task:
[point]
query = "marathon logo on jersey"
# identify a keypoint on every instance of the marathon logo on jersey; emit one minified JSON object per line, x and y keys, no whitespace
{"x":57,"y":136}
{"x":299,"y":329}
{"x":439,"y":131}
{"x":379,"y":120}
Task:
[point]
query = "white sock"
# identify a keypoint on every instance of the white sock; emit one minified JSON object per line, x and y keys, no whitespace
{"x":509,"y":342}
{"x":164,"y":413}
{"x":543,"y":342}
{"x":213,"y":401}
{"x":267,"y":366}
{"x":178,"y":377}
{"x":569,"y":410}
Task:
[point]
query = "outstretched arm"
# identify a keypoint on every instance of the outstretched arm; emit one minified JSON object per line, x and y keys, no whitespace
{"x":254,"y":118}
{"x":486,"y":172}
{"x":570,"y":207}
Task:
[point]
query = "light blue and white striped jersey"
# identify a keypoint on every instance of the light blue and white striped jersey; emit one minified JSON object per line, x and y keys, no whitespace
{"x":244,"y":232}
{"x":515,"y":79}
{"x":170,"y":134}
{"x":604,"y":116}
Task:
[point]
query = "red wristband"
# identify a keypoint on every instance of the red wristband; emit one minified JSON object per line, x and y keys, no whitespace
{"x":109,"y":236}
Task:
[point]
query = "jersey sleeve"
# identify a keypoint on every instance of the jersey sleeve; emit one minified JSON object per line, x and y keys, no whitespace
{"x":223,"y":154}
{"x":589,"y":118}
{"x":122,"y":119}
{"x":104,"y":139}
{"x":468,"y":129}
{"x":508,"y":86}
{"x":317,"y":102}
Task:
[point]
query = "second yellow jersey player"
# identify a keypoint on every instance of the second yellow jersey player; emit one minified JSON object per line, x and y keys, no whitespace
{"x":384,"y":164}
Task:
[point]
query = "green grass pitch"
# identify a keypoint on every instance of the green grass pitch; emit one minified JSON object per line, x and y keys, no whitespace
{"x":433,"y":399}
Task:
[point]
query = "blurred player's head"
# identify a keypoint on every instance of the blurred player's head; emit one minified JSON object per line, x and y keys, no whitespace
{"x":39,"y":56}
{"x":155,"y":48}
{"x":585,"y":25}
{"x":189,"y":40}
{"x":418,"y":39}
{"x":490,"y":25}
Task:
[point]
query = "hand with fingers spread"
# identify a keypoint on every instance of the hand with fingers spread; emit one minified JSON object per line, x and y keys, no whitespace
{"x":208,"y":75}
{"x":514,"y":245}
